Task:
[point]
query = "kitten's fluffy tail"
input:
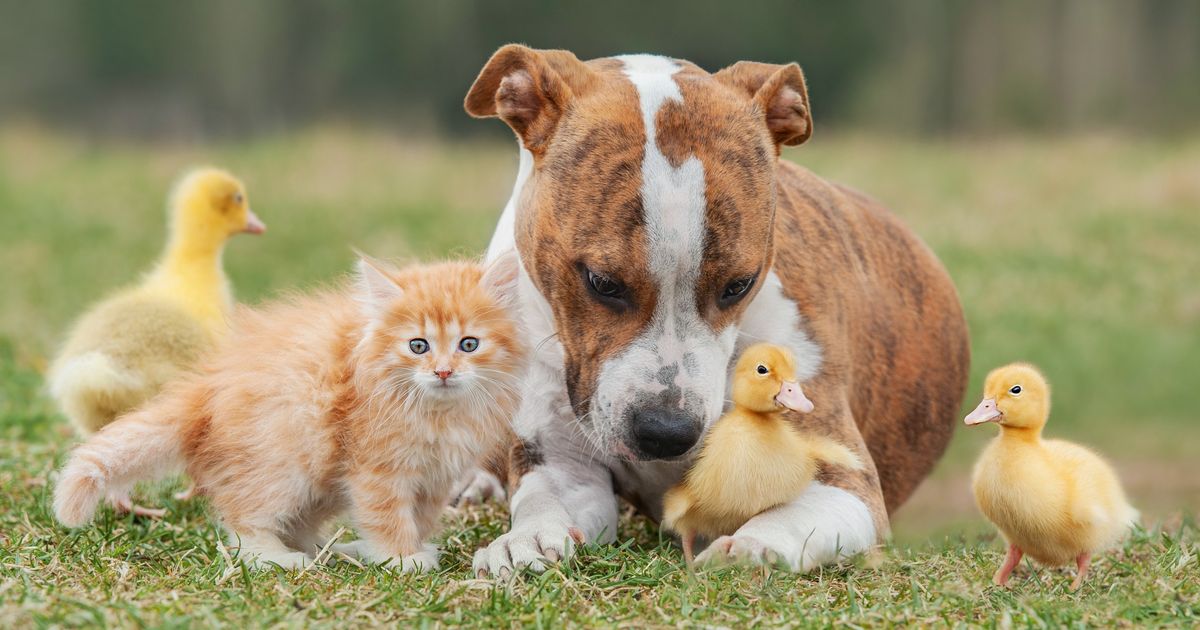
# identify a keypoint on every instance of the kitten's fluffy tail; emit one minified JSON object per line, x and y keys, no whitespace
{"x":140,"y":445}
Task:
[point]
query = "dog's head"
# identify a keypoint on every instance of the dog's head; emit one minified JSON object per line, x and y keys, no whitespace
{"x":646,"y":223}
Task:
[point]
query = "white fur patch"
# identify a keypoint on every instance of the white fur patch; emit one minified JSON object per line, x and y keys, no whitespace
{"x":774,"y":318}
{"x":504,"y":238}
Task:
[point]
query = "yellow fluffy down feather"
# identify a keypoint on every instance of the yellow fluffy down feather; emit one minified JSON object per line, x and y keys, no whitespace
{"x":1055,"y":501}
{"x":754,"y":457}
{"x":124,"y":349}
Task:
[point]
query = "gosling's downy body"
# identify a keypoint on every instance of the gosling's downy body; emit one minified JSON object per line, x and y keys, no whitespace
{"x":125,"y":348}
{"x":1056,"y":501}
{"x":753,"y":458}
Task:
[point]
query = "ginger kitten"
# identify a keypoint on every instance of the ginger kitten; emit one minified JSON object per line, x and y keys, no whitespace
{"x":374,"y":399}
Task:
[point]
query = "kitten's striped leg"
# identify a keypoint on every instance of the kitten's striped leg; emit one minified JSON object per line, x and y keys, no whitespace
{"x":385,"y":514}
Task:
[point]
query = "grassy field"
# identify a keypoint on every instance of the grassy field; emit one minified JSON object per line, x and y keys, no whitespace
{"x":1080,"y":255}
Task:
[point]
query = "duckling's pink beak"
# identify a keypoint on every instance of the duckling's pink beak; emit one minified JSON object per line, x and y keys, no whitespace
{"x":254,"y":225}
{"x":792,"y":397}
{"x":985,"y":412}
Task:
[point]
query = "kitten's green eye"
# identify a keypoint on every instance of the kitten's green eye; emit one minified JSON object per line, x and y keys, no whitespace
{"x":418,"y":346}
{"x":468,"y":344}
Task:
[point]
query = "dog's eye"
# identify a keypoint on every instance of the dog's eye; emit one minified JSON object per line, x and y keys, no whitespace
{"x":468,"y":344}
{"x":604,"y":286}
{"x":735,"y":291}
{"x":418,"y":346}
{"x":1016,"y":390}
{"x":762,"y":369}
{"x":608,"y":290}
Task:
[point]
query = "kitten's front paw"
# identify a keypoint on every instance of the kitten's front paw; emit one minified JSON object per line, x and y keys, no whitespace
{"x":264,"y":560}
{"x":533,"y":548}
{"x":423,"y":561}
{"x":478,"y":486}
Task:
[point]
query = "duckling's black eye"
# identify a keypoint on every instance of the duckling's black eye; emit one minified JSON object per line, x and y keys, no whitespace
{"x":238,"y":198}
{"x":735,"y":291}
{"x":468,"y":344}
{"x":418,"y":346}
{"x":1015,"y":391}
{"x":606,"y":289}
{"x":762,"y":369}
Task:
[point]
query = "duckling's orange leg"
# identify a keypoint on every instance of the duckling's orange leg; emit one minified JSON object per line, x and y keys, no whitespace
{"x":1010,"y":563}
{"x":1082,"y":562}
{"x":187,"y":494}
{"x":689,"y":539}
{"x":125,"y":505}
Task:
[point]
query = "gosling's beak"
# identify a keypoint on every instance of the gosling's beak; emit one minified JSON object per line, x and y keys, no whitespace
{"x":791,"y":396}
{"x":985,"y":412}
{"x":254,"y":225}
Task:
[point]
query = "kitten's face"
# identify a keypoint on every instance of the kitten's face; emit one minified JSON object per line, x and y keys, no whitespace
{"x":444,"y":333}
{"x":446,"y":354}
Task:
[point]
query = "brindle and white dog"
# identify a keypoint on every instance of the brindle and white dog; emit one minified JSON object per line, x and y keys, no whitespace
{"x":660,"y":233}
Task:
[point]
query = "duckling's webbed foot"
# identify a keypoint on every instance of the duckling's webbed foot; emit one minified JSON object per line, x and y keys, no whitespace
{"x":1014,"y":558}
{"x":125,"y":505}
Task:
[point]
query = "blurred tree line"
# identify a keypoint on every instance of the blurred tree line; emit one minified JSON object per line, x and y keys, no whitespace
{"x":155,"y":68}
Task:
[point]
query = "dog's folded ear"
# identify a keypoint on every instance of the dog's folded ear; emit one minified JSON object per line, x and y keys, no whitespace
{"x":528,"y":89}
{"x":780,"y":93}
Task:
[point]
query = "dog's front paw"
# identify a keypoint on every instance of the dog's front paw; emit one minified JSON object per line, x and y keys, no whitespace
{"x":534,"y":548}
{"x":738,"y":550}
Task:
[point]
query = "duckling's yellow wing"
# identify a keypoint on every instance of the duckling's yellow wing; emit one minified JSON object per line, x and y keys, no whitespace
{"x":1097,"y":502}
{"x":831,"y":452}
{"x":747,"y":466}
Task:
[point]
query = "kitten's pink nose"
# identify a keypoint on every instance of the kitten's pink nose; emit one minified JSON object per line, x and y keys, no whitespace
{"x":443,"y":374}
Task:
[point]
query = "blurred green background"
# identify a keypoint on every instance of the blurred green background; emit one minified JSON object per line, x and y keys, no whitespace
{"x":148,"y":68}
{"x":1048,"y":151}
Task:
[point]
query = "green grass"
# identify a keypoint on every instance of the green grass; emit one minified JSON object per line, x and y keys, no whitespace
{"x":1080,"y":255}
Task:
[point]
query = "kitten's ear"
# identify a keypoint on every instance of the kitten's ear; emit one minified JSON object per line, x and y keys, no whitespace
{"x":501,"y":276}
{"x":376,"y":288}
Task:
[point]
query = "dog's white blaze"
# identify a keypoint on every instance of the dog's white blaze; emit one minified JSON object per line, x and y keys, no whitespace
{"x":677,"y":343}
{"x":672,"y":198}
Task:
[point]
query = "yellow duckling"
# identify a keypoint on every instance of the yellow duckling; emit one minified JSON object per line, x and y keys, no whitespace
{"x":754,"y":457}
{"x":124,"y":349}
{"x":1056,"y":501}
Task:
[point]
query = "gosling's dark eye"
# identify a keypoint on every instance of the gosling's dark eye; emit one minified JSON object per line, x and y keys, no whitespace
{"x":735,"y":291}
{"x":1015,"y":391}
{"x":762,"y":369}
{"x":418,"y":346}
{"x":608,"y":290}
{"x":238,"y":198}
{"x":468,"y":344}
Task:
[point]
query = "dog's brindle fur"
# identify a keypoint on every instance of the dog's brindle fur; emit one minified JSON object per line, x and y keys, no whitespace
{"x":893,"y":343}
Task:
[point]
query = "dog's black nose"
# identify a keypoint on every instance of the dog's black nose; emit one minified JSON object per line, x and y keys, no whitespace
{"x":663,"y":433}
